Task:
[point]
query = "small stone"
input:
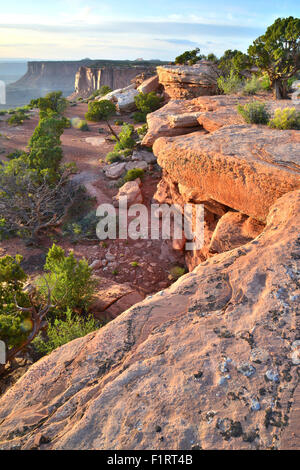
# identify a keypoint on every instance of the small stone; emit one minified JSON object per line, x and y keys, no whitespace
{"x":246,"y":369}
{"x":255,"y":405}
{"x":96,"y":264}
{"x":272,"y":375}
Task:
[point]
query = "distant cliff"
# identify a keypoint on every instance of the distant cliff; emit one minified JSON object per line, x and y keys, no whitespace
{"x":42,"y":77}
{"x":88,"y":79}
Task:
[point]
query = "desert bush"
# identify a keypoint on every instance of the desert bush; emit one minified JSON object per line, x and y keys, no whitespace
{"x":176,"y":272}
{"x":22,"y":313}
{"x":62,"y":331}
{"x":254,"y":112}
{"x":235,"y":62}
{"x":142,"y":131}
{"x":104,"y":90}
{"x":252,"y":86}
{"x":82,"y":227}
{"x":3,"y":112}
{"x":17,"y":119}
{"x":118,"y":122}
{"x":113,"y":157}
{"x":125,"y":138}
{"x":145,"y":103}
{"x":83,"y":126}
{"x":231,"y":84}
{"x":35,"y":189}
{"x":265,"y":82}
{"x":100,"y":110}
{"x":287,"y":118}
{"x":53,"y":101}
{"x":70,"y":281}
{"x":133,"y":174}
{"x":14,"y":154}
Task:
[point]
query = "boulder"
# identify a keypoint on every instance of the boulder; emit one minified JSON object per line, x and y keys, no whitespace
{"x":111,"y":298}
{"x":234,"y":229}
{"x":115,"y":170}
{"x":123,"y":98}
{"x":149,"y":85}
{"x":184,"y":81}
{"x":136,"y":164}
{"x":244,"y":167}
{"x":203,"y":364}
{"x":132,"y":190}
{"x":159,"y":121}
{"x":144,"y":155}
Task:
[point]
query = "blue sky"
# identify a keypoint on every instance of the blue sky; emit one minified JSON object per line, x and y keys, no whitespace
{"x":127,"y":29}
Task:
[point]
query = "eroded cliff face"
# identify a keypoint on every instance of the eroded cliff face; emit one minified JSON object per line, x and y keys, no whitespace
{"x":43,"y":77}
{"x":88,"y":79}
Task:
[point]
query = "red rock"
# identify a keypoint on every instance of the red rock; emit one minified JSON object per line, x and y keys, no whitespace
{"x":241,"y":166}
{"x":234,"y":229}
{"x":149,"y":85}
{"x":161,"y":362}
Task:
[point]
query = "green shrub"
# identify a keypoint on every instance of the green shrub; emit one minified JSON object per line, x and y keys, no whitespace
{"x":70,"y":280}
{"x":118,"y":122}
{"x":265,"y":82}
{"x":113,"y":157}
{"x":100,"y":110}
{"x":62,"y":331}
{"x":287,"y":118}
{"x":231,"y":84}
{"x":139,"y":116}
{"x":176,"y":272}
{"x":142,"y":131}
{"x":254,"y":113}
{"x":133,"y":174}
{"x":83,"y":126}
{"x":14,"y":154}
{"x":189,"y":57}
{"x":145,"y":103}
{"x":14,"y":326}
{"x":252,"y":86}
{"x":104,"y":90}
{"x":126,"y":141}
{"x":3,"y":112}
{"x":17,"y":119}
{"x":53,"y":101}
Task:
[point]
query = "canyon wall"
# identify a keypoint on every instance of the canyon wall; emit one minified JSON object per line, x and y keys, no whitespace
{"x":41,"y":78}
{"x":88,"y":79}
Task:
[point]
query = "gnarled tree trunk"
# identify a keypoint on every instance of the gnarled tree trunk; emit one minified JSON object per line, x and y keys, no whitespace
{"x":280,"y":89}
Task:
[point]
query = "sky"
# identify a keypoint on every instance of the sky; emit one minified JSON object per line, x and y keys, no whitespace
{"x":131,"y":29}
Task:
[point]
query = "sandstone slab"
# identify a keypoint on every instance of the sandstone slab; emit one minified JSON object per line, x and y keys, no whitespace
{"x":192,"y":359}
{"x":241,"y":166}
{"x":149,"y":85}
{"x":234,"y":229}
{"x":184,"y":81}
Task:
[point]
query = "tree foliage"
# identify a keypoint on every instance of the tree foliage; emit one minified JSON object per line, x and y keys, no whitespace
{"x":234,"y":61}
{"x":70,"y":280}
{"x":277,"y":52}
{"x":189,"y":57}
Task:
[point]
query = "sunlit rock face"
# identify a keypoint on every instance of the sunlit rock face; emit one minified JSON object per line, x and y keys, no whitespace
{"x":210,"y":362}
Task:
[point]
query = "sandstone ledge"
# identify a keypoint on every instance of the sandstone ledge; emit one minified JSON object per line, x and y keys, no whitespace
{"x":242,"y":166}
{"x":209,"y":360}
